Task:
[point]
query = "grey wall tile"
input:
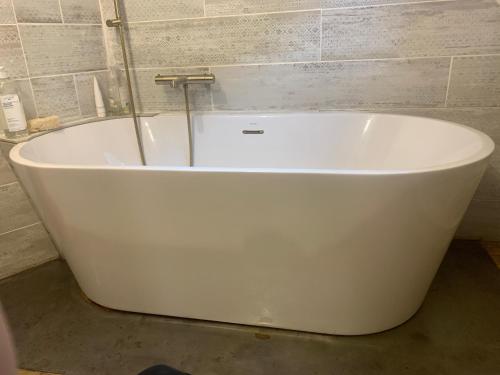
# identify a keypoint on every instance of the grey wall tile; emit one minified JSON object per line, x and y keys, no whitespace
{"x":153,"y":98}
{"x":56,"y":96}
{"x":226,"y":40}
{"x":27,"y":98}
{"x":352,"y":84}
{"x":6,"y":12}
{"x":24,"y":249}
{"x":56,"y":49}
{"x":15,"y":208}
{"x":6,"y":174}
{"x":11,"y":52}
{"x":482,"y":221}
{"x":81,"y":11}
{"x":359,"y":3}
{"x":224,"y":7}
{"x":475,"y":81}
{"x":37,"y":11}
{"x":424,"y":29}
{"x":85,"y":90}
{"x":5,"y":148}
{"x":155,"y":10}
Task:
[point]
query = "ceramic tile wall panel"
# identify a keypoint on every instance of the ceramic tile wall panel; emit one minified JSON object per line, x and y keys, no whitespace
{"x":11,"y":52}
{"x":352,"y":84}
{"x":6,"y":174}
{"x":81,"y":11}
{"x":482,"y":221}
{"x":325,"y":4}
{"x":6,"y":12}
{"x":155,"y":10}
{"x":85,"y":90}
{"x":150,"y":97}
{"x":27,"y":99}
{"x":15,"y":208}
{"x":475,"y":81}
{"x":25,"y":248}
{"x":423,"y":29}
{"x":225,"y":7}
{"x":43,"y":11}
{"x":56,"y":49}
{"x":56,"y":96}
{"x":259,"y":38}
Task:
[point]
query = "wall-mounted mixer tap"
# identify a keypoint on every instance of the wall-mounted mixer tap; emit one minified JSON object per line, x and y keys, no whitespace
{"x":180,"y":80}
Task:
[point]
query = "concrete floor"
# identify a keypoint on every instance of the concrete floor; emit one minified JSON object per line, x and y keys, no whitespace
{"x":457,"y":331}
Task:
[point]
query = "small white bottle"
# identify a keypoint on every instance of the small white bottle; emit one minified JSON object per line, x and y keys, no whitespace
{"x":12,"y":112}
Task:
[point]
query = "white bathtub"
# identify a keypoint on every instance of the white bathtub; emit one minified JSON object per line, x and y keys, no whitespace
{"x":332,"y":223}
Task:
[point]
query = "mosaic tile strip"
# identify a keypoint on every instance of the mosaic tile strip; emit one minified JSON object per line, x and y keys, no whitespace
{"x":155,"y":10}
{"x":425,"y":29}
{"x":43,"y":11}
{"x":226,"y":40}
{"x":225,"y":7}
{"x":11,"y":52}
{"x":56,"y":49}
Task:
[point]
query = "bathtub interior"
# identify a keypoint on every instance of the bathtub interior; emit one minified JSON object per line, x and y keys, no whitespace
{"x":339,"y":141}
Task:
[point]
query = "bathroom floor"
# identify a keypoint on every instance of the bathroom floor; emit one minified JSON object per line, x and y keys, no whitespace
{"x":457,"y":331}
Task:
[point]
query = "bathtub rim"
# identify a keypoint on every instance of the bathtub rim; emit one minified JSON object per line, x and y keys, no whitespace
{"x":487,"y":149}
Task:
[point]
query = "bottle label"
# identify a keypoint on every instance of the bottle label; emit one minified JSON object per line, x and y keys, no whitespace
{"x":13,"y":112}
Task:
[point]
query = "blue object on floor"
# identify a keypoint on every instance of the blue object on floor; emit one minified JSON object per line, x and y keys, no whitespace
{"x":162,"y":370}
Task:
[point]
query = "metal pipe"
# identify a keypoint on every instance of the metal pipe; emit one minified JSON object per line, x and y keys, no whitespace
{"x":119,"y":24}
{"x":186,"y":80}
{"x":190,"y":130}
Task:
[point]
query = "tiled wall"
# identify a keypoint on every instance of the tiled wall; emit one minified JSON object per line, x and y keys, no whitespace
{"x":436,"y":58}
{"x":51,"y":46}
{"x":24,"y":243}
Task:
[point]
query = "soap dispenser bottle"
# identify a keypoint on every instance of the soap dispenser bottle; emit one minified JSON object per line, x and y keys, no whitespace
{"x":11,"y":108}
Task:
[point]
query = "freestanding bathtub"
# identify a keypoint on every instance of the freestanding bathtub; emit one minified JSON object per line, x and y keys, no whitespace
{"x":325,"y":222}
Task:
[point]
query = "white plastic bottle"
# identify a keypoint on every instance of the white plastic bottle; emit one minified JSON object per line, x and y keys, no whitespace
{"x":12,"y":112}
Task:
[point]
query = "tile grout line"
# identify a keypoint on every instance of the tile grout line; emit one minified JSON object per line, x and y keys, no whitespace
{"x":321,"y":35}
{"x":77,"y":96}
{"x":25,"y":59}
{"x":9,"y":184}
{"x":288,"y":11}
{"x":315,"y":10}
{"x":21,"y":228}
{"x":58,"y":24}
{"x":107,"y":46}
{"x":61,"y":11}
{"x":449,"y":82}
{"x":70,"y":74}
{"x":312,"y":62}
